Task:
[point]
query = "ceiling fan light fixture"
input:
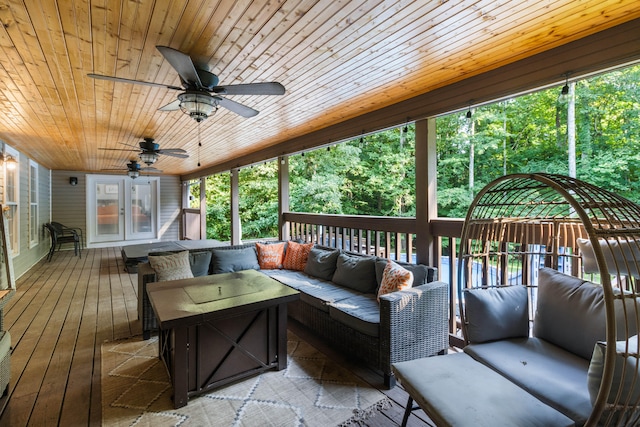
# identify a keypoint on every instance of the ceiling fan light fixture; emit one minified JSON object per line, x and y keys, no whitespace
{"x":197,"y":105}
{"x":133,"y":174}
{"x":149,"y":158}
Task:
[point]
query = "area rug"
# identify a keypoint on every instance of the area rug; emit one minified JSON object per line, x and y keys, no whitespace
{"x":311,"y":391}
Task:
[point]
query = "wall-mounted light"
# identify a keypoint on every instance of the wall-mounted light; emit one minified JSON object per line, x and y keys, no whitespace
{"x":73,"y":180}
{"x":469,"y":113}
{"x":565,"y":89}
{"x":10,"y":162}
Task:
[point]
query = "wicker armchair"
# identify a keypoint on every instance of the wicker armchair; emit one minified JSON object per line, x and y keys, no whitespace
{"x":520,"y":223}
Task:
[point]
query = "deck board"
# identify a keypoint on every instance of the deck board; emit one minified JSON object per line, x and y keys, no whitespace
{"x":64,"y":310}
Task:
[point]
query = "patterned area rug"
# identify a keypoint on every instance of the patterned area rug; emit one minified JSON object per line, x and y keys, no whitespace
{"x":312,"y":391}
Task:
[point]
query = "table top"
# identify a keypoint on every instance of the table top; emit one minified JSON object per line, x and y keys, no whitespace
{"x":191,"y":301}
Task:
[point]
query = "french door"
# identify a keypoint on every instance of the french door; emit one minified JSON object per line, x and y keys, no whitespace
{"x":121,"y":209}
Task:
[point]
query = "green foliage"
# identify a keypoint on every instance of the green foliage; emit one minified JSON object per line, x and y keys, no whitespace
{"x":376,"y":176}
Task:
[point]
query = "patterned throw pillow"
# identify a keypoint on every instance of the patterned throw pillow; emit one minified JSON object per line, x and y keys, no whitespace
{"x":394,"y":278}
{"x":296,"y":256}
{"x":270,"y":256}
{"x":171,"y":267}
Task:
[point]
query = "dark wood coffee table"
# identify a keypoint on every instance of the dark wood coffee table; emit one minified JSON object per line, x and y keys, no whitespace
{"x":217,"y":329}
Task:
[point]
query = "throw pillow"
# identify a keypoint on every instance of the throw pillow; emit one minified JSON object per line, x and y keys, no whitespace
{"x":171,"y":267}
{"x":296,"y":256}
{"x":496,"y":313}
{"x":357,"y":272}
{"x":394,"y":278}
{"x":200,"y":263}
{"x":321,"y":263}
{"x":421,"y":273}
{"x":270,"y":256}
{"x":237,"y":259}
{"x":626,"y":375}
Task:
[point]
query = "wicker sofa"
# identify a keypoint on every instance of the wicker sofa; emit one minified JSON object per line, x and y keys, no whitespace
{"x":404,"y":325}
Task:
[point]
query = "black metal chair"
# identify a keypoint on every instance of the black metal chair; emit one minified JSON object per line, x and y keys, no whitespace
{"x":70,"y":230}
{"x":60,"y":236}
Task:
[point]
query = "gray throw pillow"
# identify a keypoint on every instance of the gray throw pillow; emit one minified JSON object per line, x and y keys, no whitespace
{"x":321,"y":263}
{"x":421,"y":273}
{"x":230,"y":260}
{"x":356,"y":272}
{"x":626,"y":374}
{"x":570,"y":312}
{"x":200,"y":263}
{"x":496,"y":313}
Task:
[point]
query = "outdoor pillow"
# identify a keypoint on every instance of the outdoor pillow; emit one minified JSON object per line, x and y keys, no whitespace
{"x":171,"y":267}
{"x":421,"y":273}
{"x":570,"y":312}
{"x":356,"y":272}
{"x":230,"y":260}
{"x":496,"y":313}
{"x":200,"y":263}
{"x":321,"y":263}
{"x":394,"y":278}
{"x":296,"y":256}
{"x":629,"y":382}
{"x":270,"y":256}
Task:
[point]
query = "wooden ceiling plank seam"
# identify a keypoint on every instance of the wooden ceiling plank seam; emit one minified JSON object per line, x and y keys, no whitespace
{"x":614,"y":47}
{"x":216,"y":31}
{"x":356,"y":79}
{"x":254,"y":42}
{"x":30,"y":95}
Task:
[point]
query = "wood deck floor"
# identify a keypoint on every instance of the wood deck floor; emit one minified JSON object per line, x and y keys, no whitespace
{"x":63,"y":311}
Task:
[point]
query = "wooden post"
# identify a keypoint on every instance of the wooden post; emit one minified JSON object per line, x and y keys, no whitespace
{"x":236,"y":228}
{"x":283,"y":196}
{"x":426,"y":186}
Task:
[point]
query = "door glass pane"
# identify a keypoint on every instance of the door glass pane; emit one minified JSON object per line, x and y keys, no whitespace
{"x":141,"y":208}
{"x":107,"y":198}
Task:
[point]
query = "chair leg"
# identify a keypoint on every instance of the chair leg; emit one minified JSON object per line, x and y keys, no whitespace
{"x":407,"y":412}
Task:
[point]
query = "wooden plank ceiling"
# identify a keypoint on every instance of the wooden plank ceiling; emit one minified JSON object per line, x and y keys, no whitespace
{"x":337,"y":60}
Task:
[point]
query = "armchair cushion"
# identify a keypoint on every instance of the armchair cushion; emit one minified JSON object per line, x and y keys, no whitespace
{"x":200,"y":263}
{"x":626,"y":374}
{"x":496,"y":313}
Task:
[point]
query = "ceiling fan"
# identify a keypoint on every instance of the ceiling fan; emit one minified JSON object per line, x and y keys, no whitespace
{"x":134,"y":168}
{"x":149,"y":151}
{"x":201,"y":94}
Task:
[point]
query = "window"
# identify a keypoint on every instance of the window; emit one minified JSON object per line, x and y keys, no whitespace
{"x":34,"y":223}
{"x":11,"y":198}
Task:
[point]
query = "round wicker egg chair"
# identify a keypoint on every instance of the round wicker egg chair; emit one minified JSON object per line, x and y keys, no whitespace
{"x":522,"y":222}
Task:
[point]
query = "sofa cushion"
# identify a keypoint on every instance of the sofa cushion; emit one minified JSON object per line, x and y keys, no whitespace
{"x":394,"y":278}
{"x":200,"y":263}
{"x":553,"y":375}
{"x":569,"y":312}
{"x":421,"y":273}
{"x":356,"y":272}
{"x":230,"y":260}
{"x":456,"y":390}
{"x":360,"y":312}
{"x":171,"y":267}
{"x":496,"y":313}
{"x":296,"y":256}
{"x":321,"y":263}
{"x":313,"y":291}
{"x":270,"y":255}
{"x":626,"y":374}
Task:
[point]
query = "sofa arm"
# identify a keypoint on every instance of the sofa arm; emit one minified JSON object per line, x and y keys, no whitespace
{"x":147,"y":317}
{"x":414,"y":323}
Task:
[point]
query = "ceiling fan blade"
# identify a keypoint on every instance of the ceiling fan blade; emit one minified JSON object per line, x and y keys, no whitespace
{"x":182,"y":64}
{"x":172,"y":154}
{"x":172,"y":150}
{"x":172,"y":106}
{"x":237,"y":108}
{"x":117,"y":149}
{"x":150,"y":169}
{"x":137,"y":82}
{"x":267,"y":88}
